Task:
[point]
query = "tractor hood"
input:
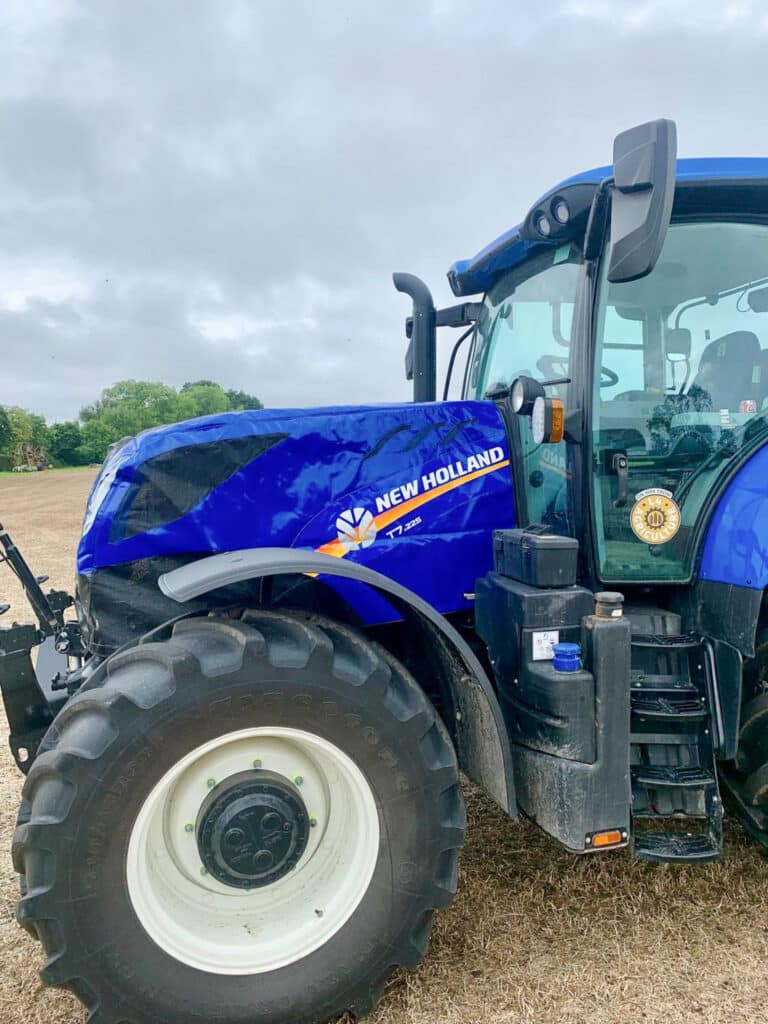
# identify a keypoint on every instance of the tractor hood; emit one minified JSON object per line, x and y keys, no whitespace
{"x":412,"y":490}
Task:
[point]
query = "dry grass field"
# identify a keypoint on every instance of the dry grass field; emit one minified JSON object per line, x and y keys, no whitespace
{"x":534,"y":935}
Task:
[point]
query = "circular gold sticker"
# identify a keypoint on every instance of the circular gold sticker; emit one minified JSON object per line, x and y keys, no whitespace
{"x":655,"y":516}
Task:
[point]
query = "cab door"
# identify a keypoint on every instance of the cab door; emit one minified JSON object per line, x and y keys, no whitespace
{"x":679,"y":396}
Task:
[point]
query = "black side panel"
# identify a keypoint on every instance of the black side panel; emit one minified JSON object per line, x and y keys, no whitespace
{"x":545,"y":710}
{"x":170,"y":485}
{"x":723,"y":611}
{"x":567,"y":798}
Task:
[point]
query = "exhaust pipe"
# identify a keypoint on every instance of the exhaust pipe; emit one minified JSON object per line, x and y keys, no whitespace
{"x":421,"y":357}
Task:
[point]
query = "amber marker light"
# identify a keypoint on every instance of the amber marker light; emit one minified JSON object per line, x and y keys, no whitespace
{"x":548,"y":420}
{"x":611,"y":837}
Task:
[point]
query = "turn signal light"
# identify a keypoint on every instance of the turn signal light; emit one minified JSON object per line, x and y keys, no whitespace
{"x":610,"y":838}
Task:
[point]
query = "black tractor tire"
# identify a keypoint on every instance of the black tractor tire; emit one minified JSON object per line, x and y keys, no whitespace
{"x":146,"y":709}
{"x":748,"y":783}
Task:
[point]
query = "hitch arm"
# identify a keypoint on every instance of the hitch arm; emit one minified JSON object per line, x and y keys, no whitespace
{"x":50,"y":620}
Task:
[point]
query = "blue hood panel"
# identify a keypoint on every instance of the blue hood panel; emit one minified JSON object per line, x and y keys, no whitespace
{"x":412,"y":491}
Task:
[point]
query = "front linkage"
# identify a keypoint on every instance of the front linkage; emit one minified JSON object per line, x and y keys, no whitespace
{"x":34,"y":694}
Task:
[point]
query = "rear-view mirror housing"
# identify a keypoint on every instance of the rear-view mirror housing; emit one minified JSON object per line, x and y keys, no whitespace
{"x":644,"y":162}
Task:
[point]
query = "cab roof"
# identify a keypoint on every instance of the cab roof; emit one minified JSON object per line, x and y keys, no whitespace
{"x":478,"y":274}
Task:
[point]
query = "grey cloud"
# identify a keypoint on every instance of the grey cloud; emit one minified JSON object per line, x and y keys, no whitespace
{"x":269,"y":166}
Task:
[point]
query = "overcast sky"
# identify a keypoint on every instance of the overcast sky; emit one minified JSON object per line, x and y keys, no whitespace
{"x":194,"y":189}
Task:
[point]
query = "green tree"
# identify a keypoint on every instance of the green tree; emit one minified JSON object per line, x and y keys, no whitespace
{"x":64,"y":440}
{"x":29,"y":436}
{"x":242,"y":400}
{"x":130,"y":406}
{"x":6,"y":432}
{"x":95,"y":437}
{"x":202,"y":399}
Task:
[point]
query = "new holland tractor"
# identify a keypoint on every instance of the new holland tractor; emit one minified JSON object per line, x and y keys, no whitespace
{"x":293,"y":628}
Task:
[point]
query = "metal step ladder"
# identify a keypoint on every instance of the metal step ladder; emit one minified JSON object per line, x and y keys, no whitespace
{"x":676,"y":808}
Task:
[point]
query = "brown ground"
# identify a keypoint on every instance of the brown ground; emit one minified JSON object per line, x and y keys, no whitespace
{"x":534,"y":935}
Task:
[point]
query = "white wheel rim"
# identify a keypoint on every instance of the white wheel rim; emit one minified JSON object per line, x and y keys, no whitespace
{"x":217,"y":928}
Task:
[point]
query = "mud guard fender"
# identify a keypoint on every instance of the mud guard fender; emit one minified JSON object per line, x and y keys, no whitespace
{"x":481,"y":738}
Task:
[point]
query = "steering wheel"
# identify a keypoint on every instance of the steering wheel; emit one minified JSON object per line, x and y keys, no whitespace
{"x":695,"y":435}
{"x":607,"y":377}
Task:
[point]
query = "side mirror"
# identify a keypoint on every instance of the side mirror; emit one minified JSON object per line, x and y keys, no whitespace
{"x":644,"y":160}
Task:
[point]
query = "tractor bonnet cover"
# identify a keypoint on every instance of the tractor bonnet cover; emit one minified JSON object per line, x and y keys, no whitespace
{"x":413,"y":491}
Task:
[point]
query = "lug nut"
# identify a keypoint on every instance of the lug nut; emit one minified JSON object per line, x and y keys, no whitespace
{"x":211,"y":783}
{"x":189,"y":827}
{"x":312,"y":822}
{"x":203,"y":870}
{"x":298,"y":780}
{"x":256,"y":763}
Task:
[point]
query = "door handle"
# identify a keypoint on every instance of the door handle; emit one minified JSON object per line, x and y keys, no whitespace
{"x":620,"y":466}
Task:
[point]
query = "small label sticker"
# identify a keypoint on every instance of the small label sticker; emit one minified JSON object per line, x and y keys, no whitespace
{"x":748,"y":405}
{"x":562,"y":254}
{"x":542,"y":644}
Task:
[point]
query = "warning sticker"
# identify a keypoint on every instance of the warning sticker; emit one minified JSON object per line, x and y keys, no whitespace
{"x":542,"y":644}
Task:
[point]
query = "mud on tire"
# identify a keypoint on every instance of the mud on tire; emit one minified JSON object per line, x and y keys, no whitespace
{"x":143,"y":713}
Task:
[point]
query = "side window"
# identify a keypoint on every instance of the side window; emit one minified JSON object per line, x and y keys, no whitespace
{"x":526,"y":330}
{"x":526,"y":325}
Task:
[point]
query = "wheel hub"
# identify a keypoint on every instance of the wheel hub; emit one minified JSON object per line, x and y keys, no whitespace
{"x":252,"y":829}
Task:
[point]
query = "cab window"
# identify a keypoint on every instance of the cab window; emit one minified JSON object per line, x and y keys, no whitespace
{"x":526,"y":329}
{"x":680,"y":391}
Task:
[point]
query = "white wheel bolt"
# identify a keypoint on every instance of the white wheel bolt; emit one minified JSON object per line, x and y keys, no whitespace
{"x":189,"y":827}
{"x":211,"y":783}
{"x":298,"y":779}
{"x":257,"y":763}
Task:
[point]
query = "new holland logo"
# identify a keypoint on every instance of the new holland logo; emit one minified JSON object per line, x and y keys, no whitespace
{"x":356,"y":528}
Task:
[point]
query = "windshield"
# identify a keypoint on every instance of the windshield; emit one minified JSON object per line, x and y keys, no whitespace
{"x":525,"y":328}
{"x":681,"y":390}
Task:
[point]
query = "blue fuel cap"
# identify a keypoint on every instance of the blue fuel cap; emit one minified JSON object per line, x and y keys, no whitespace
{"x":567,"y":657}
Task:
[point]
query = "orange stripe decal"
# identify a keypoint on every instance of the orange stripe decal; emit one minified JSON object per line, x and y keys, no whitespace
{"x":391,"y":515}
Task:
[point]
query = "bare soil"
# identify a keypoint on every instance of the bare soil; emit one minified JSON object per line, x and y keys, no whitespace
{"x":535,"y":935}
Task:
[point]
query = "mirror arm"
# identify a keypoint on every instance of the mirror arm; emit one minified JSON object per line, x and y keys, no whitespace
{"x":594,"y":232}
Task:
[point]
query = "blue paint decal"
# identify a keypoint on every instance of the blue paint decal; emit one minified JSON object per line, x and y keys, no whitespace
{"x":413,"y":491}
{"x":736,"y":544}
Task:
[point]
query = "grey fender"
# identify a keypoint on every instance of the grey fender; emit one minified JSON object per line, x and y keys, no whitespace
{"x":480,"y":734}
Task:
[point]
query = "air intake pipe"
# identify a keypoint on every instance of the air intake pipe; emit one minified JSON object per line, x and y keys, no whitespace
{"x":421,"y":357}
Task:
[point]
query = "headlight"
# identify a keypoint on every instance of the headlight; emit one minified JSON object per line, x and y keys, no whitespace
{"x":560,"y":211}
{"x":523,"y":393}
{"x":543,"y":225}
{"x":538,"y":420}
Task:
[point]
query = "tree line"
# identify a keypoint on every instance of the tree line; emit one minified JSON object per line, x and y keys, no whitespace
{"x":124,"y":409}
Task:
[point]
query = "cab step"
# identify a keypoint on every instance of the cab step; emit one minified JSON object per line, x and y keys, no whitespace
{"x":669,"y":707}
{"x":675,"y":847}
{"x":654,"y":776}
{"x":676,"y":810}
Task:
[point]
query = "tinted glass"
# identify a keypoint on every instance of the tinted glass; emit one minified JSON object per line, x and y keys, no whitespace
{"x":526,"y":330}
{"x":688,"y":392}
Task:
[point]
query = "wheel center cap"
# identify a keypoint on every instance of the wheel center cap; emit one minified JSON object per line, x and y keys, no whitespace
{"x":252,"y":829}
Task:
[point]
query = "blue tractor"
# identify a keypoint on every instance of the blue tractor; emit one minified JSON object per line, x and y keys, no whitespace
{"x":295,"y":627}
